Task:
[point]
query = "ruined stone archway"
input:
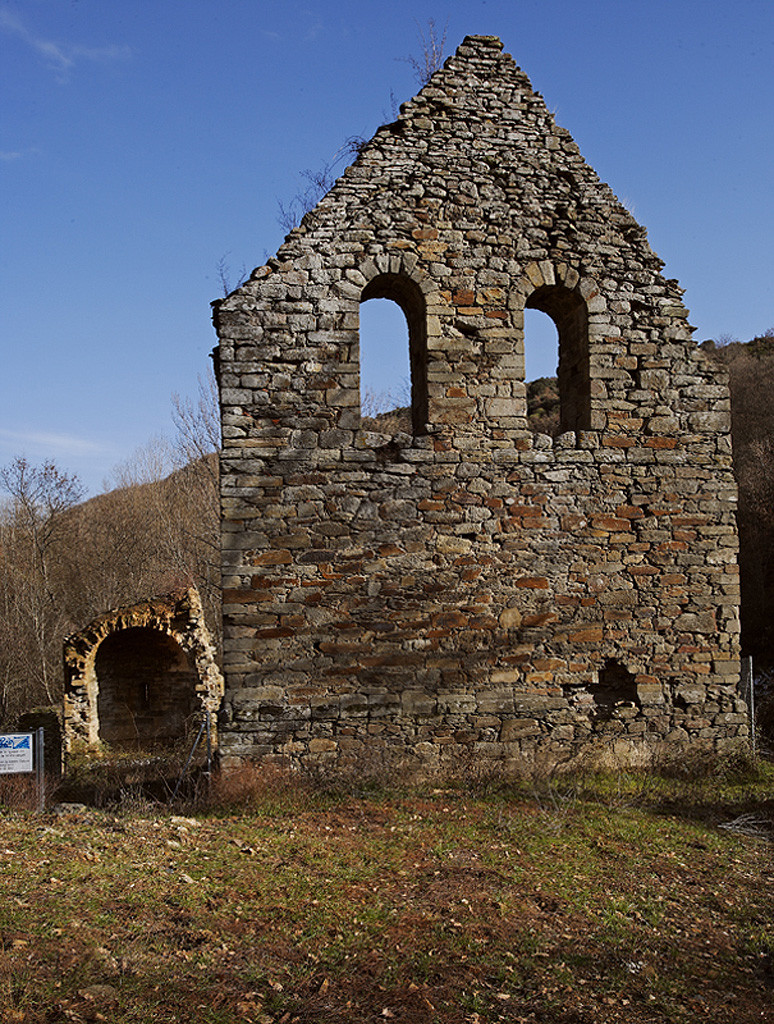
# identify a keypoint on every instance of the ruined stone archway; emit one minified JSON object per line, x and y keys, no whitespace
{"x":140,"y":677}
{"x":146,"y":688}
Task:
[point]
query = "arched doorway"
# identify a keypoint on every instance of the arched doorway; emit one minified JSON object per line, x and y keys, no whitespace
{"x":141,"y":676}
{"x":146,"y":686}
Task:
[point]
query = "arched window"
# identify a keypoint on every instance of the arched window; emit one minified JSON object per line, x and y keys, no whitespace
{"x":385,"y":374}
{"x":541,"y":355}
{"x":568,"y":312}
{"x":393,"y":358}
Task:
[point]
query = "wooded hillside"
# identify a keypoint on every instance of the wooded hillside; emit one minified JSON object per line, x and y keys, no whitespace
{"x":64,"y":561}
{"x":751,"y":378}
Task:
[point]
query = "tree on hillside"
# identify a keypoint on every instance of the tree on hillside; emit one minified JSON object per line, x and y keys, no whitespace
{"x":63,"y":561}
{"x":34,"y":537}
{"x":751,"y":381}
{"x":160,"y":528}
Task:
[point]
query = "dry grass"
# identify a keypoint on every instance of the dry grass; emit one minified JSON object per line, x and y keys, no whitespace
{"x":587,"y":899}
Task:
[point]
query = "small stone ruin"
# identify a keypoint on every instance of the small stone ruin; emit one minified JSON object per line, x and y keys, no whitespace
{"x":141,"y":678}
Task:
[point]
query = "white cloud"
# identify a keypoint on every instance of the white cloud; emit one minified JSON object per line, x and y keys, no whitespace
{"x":60,"y":57}
{"x":46,"y":444}
{"x":313,"y":30}
{"x":8,"y":156}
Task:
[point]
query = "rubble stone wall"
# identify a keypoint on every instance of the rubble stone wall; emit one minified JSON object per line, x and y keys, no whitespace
{"x":471,"y":586}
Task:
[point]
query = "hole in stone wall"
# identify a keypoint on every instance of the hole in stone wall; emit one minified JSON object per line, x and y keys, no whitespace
{"x":568,"y":312}
{"x":541,"y":355}
{"x":390,"y":367}
{"x":615,"y":686}
{"x":385,"y":374}
{"x":146,"y":689}
{"x":679,"y":700}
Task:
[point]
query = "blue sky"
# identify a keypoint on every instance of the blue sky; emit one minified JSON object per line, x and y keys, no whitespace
{"x":142,"y":141}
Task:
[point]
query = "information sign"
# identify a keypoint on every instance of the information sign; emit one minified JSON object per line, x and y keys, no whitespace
{"x":16,"y":752}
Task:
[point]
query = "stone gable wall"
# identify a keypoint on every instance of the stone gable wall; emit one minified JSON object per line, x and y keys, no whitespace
{"x":472,"y":586}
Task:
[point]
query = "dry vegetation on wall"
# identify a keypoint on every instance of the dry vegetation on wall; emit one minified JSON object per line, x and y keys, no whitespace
{"x":621,"y":898}
{"x":63,"y":562}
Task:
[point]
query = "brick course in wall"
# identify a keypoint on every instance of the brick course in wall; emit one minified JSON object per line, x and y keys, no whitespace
{"x":471,"y":586}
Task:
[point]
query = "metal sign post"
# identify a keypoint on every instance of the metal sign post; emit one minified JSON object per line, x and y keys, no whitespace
{"x":40,"y":758}
{"x":752,"y":702}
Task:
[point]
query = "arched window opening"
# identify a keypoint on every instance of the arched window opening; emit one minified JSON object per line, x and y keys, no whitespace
{"x":385,"y":374}
{"x":146,"y":689}
{"x":541,"y":355}
{"x":393,"y":355}
{"x":568,"y":311}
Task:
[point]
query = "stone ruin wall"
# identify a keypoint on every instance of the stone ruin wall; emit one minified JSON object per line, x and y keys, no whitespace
{"x":140,"y":677}
{"x":472,"y":587}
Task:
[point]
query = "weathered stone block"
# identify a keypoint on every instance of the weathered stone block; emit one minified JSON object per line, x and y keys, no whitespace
{"x":518,"y":728}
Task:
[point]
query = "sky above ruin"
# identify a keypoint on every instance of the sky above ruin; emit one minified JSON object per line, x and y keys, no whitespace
{"x":145,"y":144}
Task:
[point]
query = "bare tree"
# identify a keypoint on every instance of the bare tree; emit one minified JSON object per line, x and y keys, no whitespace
{"x":64,"y":561}
{"x":35,"y":535}
{"x":318,"y":183}
{"x":168,"y":507}
{"x":432,"y":42}
{"x":197,"y":421}
{"x":194,"y":490}
{"x":224,"y":275}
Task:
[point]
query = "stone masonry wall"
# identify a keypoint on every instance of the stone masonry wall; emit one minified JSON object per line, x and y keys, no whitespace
{"x":472,"y":587}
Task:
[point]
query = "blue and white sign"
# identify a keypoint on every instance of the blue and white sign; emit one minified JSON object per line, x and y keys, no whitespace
{"x":16,"y":752}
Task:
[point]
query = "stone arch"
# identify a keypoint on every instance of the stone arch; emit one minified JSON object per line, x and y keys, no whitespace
{"x":138,"y":676}
{"x":569,"y":300}
{"x":398,"y":279}
{"x":146,"y":688}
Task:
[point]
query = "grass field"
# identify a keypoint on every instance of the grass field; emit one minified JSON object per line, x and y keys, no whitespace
{"x":581,"y":900}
